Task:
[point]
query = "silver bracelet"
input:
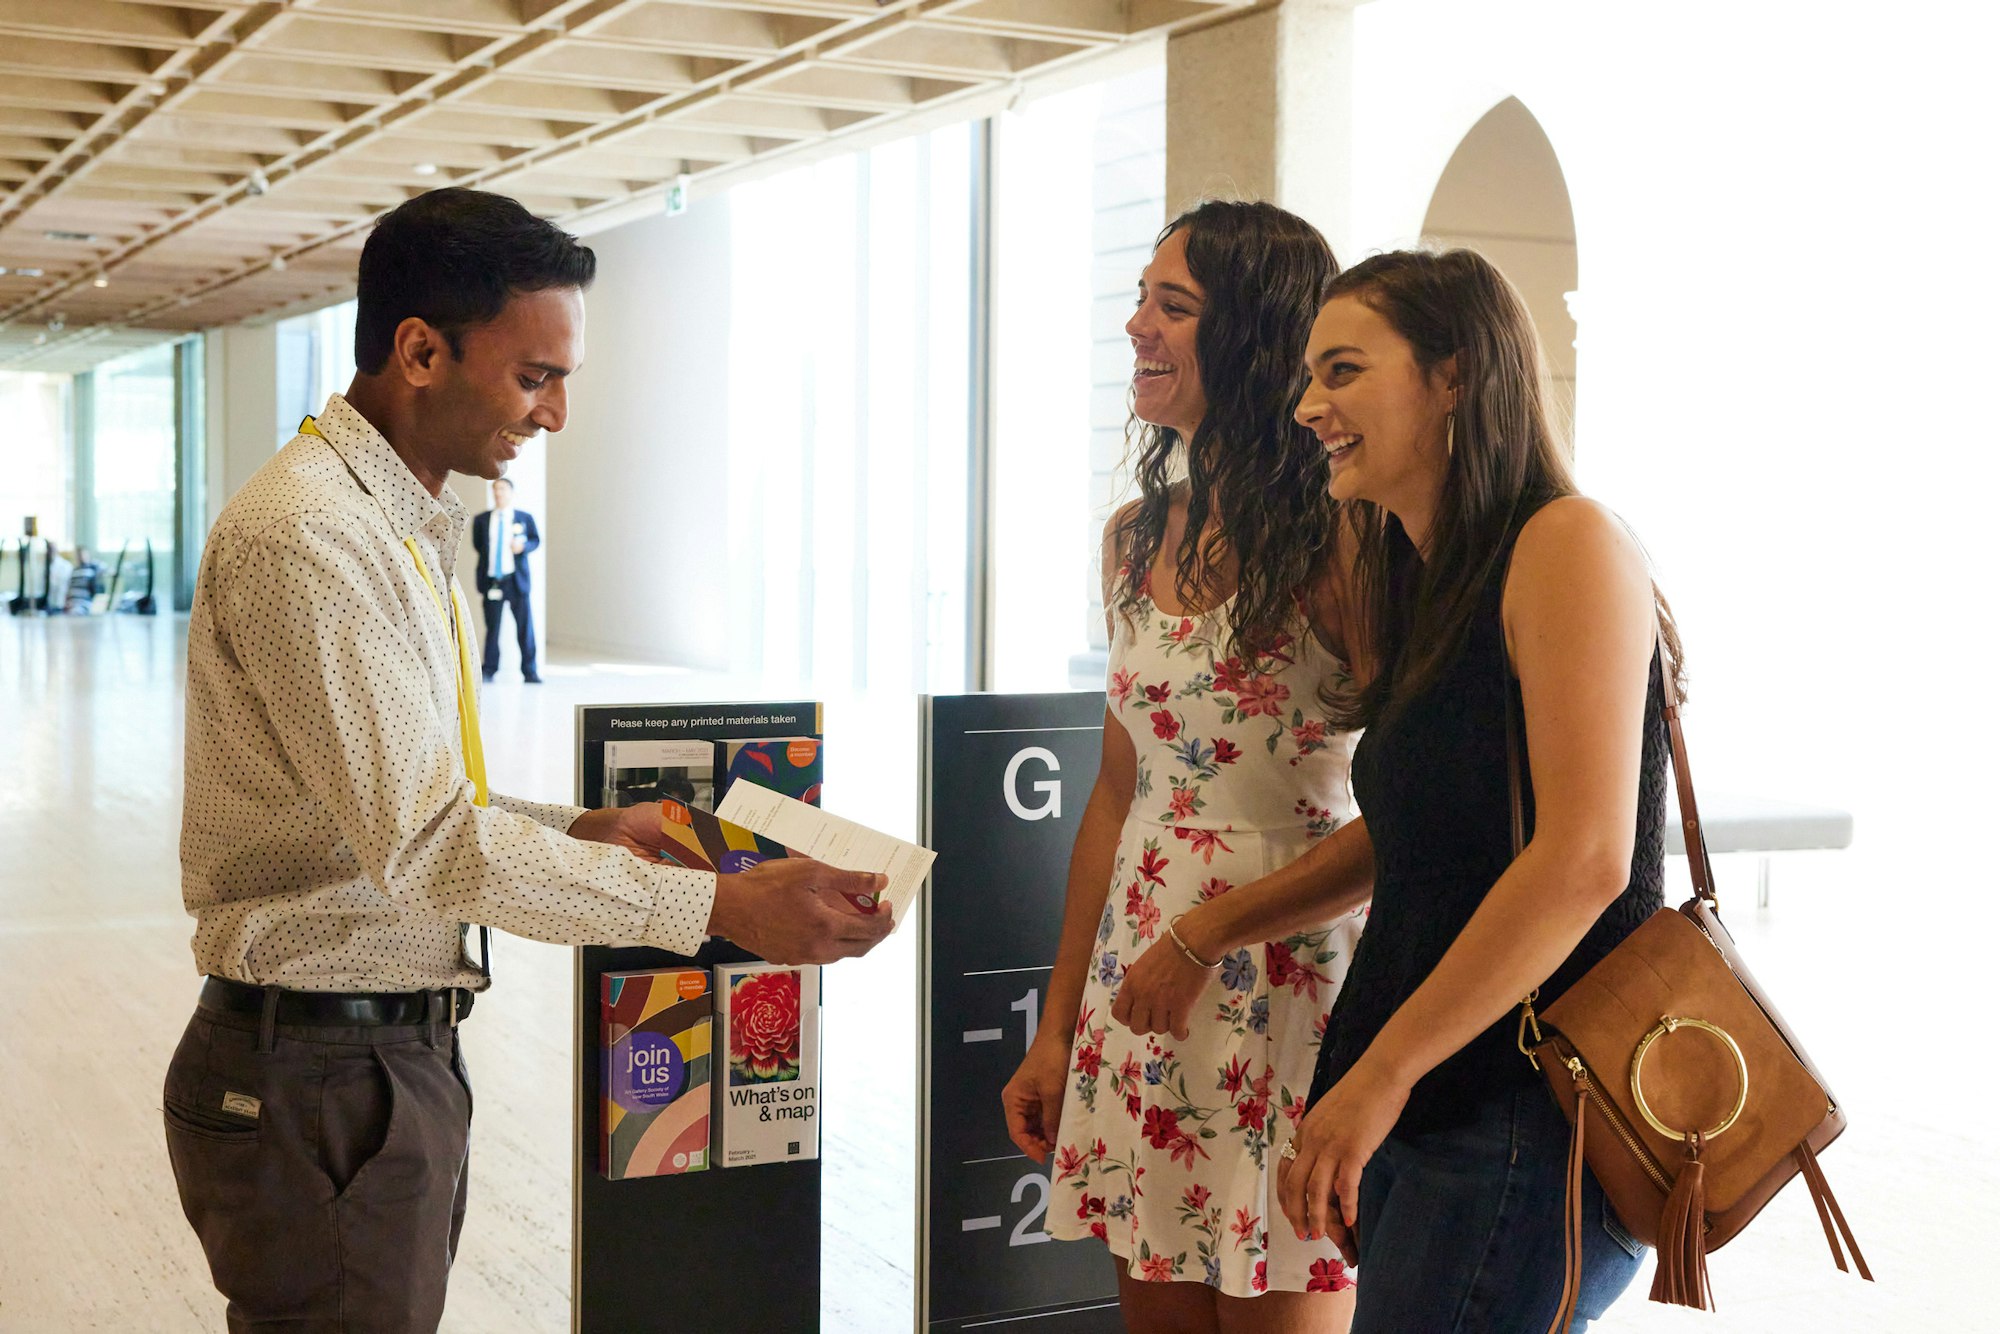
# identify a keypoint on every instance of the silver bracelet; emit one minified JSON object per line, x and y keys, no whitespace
{"x":1193,"y":958}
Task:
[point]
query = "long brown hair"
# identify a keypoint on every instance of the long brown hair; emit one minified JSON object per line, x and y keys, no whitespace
{"x":1507,"y":461}
{"x":1259,"y":475}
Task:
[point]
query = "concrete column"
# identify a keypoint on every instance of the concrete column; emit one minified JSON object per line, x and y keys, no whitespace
{"x":1260,"y":107}
{"x":240,"y":373}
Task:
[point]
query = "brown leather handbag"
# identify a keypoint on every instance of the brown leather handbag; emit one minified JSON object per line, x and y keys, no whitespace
{"x":1688,"y":1094}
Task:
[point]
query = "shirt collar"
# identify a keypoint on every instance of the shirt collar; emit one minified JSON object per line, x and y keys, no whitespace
{"x":383,"y":474}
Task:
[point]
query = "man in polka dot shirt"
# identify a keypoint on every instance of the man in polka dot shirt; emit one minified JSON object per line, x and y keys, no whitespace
{"x":337,"y":835}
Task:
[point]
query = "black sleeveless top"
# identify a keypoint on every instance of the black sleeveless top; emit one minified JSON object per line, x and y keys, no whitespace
{"x":1430,"y":777}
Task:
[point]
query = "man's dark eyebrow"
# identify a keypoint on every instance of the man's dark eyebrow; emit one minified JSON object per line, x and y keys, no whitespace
{"x":549,"y":368}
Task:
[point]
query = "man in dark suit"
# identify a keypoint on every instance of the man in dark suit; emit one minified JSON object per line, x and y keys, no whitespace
{"x":503,"y":536}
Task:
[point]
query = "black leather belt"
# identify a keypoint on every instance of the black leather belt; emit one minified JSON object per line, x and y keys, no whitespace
{"x":340,"y":1009}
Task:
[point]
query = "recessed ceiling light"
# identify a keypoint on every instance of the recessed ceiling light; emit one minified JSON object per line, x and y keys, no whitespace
{"x":425,"y":169}
{"x":28,"y":272}
{"x":100,"y":281}
{"x":70,"y":236}
{"x":156,"y":89}
{"x":277,"y":263}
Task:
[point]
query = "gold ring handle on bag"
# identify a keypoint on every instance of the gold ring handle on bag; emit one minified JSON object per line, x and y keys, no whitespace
{"x":1666,"y":1025}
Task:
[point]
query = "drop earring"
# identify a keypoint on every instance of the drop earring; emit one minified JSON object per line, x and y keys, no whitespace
{"x":1450,"y":430}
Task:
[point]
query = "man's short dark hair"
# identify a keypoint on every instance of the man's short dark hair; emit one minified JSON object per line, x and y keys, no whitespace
{"x":452,"y":258}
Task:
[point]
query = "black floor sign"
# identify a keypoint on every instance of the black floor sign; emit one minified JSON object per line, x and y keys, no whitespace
{"x":1006,"y":779}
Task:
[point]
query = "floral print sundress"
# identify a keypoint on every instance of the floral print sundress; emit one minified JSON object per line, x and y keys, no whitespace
{"x":1168,"y":1149}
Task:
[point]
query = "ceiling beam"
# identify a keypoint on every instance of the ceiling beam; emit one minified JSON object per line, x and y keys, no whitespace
{"x":99,"y":21}
{"x":228,"y":156}
{"x":132,"y":109}
{"x":326,"y":146}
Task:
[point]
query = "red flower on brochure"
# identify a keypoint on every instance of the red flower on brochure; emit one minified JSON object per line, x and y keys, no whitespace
{"x":764,"y":1027}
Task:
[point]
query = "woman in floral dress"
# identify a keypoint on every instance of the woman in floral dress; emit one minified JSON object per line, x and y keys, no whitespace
{"x":1218,"y":767}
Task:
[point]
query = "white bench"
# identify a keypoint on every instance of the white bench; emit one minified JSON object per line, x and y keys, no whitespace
{"x":1736,"y":823}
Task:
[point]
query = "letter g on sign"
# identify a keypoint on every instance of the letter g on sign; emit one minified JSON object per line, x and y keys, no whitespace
{"x":1050,"y":788}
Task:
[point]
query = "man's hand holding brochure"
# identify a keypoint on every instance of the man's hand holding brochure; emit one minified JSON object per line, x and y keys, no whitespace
{"x":810,"y":832}
{"x":795,"y":885}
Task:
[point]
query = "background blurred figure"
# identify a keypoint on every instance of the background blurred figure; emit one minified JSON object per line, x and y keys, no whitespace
{"x":503,"y":576}
{"x":86,"y":580}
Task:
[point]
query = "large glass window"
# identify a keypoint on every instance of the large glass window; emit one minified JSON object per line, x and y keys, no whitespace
{"x":38,"y":475}
{"x":1079,"y":194}
{"x":315,"y":358}
{"x":851,"y":368}
{"x":850,"y":324}
{"x":134,"y":422}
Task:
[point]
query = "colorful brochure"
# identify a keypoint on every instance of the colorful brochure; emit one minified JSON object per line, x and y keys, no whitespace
{"x":794,"y":766}
{"x":767,"y":1037}
{"x":656,"y":1029}
{"x":701,"y":841}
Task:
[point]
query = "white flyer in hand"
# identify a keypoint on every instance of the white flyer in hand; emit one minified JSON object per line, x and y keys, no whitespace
{"x":811,"y":832}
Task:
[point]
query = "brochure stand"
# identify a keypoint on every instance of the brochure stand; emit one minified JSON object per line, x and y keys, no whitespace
{"x":1005,"y":782}
{"x":725,"y":1248}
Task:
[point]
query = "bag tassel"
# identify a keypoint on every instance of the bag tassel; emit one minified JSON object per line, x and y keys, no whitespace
{"x":1573,"y":1221}
{"x":1829,"y":1212}
{"x":1681,"y":1277}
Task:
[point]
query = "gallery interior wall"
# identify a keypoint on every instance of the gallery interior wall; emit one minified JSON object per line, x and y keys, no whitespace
{"x":1777,"y":321}
{"x":635,"y":533}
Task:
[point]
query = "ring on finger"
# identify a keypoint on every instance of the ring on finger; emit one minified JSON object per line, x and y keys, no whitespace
{"x":1290,"y":1152}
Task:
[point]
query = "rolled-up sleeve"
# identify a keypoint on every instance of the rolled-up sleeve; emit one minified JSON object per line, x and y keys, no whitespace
{"x":548,"y":814}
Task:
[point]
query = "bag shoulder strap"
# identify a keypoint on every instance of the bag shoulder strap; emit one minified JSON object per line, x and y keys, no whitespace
{"x":1700,"y":870}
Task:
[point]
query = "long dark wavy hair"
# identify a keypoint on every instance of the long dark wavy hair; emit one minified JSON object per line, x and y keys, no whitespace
{"x":1257,"y":474}
{"x":1507,"y":460}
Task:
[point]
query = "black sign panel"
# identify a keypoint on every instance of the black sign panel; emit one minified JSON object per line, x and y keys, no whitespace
{"x":721,"y":1249}
{"x":1006,"y":779}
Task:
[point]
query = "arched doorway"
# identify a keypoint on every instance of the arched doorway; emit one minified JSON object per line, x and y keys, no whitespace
{"x":1503,"y":195}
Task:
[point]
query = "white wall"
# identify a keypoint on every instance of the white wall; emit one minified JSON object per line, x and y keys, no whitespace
{"x":1783,"y":351}
{"x":1503,"y":194}
{"x":634,"y":535}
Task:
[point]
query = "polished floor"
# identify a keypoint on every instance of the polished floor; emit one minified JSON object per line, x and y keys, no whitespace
{"x":96,"y":982}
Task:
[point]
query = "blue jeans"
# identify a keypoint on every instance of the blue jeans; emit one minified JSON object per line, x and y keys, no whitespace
{"x":1461,"y":1230}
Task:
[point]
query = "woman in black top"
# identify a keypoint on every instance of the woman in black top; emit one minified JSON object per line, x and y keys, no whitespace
{"x":1481,"y":581}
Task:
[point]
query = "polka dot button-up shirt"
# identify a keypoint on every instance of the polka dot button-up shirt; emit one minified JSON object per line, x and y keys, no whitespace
{"x":329,"y":839}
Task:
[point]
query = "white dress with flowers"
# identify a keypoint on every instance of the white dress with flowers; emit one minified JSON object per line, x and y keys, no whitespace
{"x":1167,"y":1150}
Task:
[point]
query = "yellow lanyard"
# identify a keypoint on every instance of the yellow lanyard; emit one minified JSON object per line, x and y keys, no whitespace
{"x":468,"y":699}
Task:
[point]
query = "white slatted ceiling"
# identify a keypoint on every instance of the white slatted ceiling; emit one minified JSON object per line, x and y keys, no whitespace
{"x":224,"y":160}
